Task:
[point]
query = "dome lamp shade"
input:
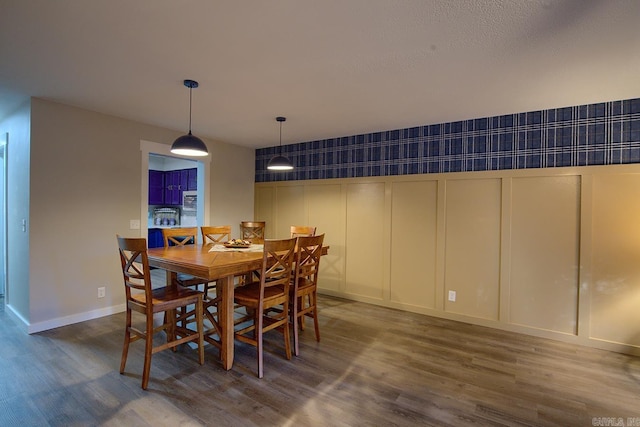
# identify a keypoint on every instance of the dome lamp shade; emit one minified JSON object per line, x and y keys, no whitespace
{"x":280,"y":162}
{"x":189,"y":145}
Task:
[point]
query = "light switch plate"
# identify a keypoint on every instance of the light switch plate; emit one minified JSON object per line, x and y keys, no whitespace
{"x":134,"y":224}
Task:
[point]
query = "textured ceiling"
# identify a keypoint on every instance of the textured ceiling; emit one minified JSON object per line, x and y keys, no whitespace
{"x":332,"y":67}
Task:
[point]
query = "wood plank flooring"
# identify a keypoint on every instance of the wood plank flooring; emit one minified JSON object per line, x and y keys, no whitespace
{"x":373,"y":367}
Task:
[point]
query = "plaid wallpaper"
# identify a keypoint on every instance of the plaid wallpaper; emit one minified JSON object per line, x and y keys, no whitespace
{"x":595,"y":134}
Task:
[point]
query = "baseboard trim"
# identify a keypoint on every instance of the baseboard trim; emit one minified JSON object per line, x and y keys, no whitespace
{"x":74,"y":318}
{"x":21,"y":321}
{"x":624,"y":348}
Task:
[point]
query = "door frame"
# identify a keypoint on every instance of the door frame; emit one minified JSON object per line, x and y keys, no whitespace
{"x":4,"y":145}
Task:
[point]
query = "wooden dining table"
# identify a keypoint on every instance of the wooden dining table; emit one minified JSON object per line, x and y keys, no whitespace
{"x":213,"y":266}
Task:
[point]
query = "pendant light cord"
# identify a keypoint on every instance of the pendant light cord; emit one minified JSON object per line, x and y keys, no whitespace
{"x":280,"y":149}
{"x":190,"y":90}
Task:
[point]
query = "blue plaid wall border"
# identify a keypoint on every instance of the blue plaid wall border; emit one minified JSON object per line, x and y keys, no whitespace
{"x":595,"y":134}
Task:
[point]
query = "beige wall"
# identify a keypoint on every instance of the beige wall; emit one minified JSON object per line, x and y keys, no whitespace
{"x":548,"y":252}
{"x":86,"y":177}
{"x":231,"y":185}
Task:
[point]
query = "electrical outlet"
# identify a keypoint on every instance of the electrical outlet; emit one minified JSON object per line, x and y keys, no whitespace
{"x":101,"y":292}
{"x":452,"y":296}
{"x":134,"y":224}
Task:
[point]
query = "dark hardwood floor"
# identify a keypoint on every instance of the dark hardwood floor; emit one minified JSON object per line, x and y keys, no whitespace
{"x":373,"y":367}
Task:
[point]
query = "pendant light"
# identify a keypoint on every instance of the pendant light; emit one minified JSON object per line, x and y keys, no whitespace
{"x":189,"y":145}
{"x":279,"y":162}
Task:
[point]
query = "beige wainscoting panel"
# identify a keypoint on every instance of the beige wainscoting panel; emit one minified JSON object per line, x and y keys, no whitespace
{"x":615,"y":291}
{"x":545,"y":241}
{"x":413,"y":243}
{"x":264,"y":208}
{"x":289,"y":209}
{"x":364,"y":243}
{"x":327,"y":214}
{"x":550,"y":252}
{"x":472,"y":247}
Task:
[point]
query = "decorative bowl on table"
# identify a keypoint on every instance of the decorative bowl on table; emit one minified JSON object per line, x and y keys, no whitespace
{"x":237,"y":243}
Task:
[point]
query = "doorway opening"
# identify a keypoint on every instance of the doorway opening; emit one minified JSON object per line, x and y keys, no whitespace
{"x":185,"y":203}
{"x":175,"y":199}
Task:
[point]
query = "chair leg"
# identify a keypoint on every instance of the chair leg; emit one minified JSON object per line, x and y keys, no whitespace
{"x":148,"y":351}
{"x":170,"y":324}
{"x":258,"y":336}
{"x":314,"y":301}
{"x":301,"y":307}
{"x":285,"y":332}
{"x":294,"y":318}
{"x":127,"y":340}
{"x":200,"y":330}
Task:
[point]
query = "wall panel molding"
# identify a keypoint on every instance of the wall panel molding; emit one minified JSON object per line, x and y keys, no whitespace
{"x":562,"y":246}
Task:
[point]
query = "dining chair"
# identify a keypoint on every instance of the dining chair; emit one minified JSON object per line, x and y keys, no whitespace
{"x":213,"y":235}
{"x":216,"y":234}
{"x":252,"y":231}
{"x":181,"y":237}
{"x":302,"y":230}
{"x":142,"y":298}
{"x":303,"y":298}
{"x":272,"y":290}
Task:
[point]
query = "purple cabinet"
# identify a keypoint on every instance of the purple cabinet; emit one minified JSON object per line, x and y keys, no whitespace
{"x":184,"y":181}
{"x":192,"y":179}
{"x":155,"y":239}
{"x":156,"y":187}
{"x":188,"y":179}
{"x":165,"y":188}
{"x":172,"y":189}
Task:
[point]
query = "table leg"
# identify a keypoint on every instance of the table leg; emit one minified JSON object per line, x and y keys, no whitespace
{"x":172,"y":278}
{"x":224,"y":288}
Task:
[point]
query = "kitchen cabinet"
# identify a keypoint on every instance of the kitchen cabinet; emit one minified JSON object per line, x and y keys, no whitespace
{"x":192,"y":179}
{"x":189,"y":179}
{"x":155,"y":238}
{"x":166,"y":187}
{"x":184,"y":181}
{"x":178,"y":181}
{"x":172,"y":189}
{"x":156,"y":187}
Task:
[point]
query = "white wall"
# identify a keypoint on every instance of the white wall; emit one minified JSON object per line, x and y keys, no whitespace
{"x":17,"y":125}
{"x":86,"y":180}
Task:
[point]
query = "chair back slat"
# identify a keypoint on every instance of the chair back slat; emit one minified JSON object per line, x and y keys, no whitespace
{"x":179,"y":236}
{"x":308,"y":258}
{"x":252,"y":231}
{"x":302,"y":230}
{"x":135,"y":265}
{"x":277,"y":262}
{"x":216,"y":234}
